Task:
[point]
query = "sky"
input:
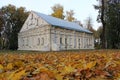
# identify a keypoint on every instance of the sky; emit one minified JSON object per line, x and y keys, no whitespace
{"x":82,"y":8}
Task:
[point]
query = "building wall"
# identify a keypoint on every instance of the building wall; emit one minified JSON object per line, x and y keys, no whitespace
{"x":35,"y":39}
{"x":34,"y":35}
{"x":63,"y":39}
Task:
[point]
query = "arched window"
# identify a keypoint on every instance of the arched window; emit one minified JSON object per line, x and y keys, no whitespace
{"x":65,"y":42}
{"x":70,"y":41}
{"x":79,"y":42}
{"x":42,"y":43}
{"x":27,"y":41}
{"x":75,"y":41}
{"x":37,"y":22}
{"x":60,"y":40}
{"x":23,"y":42}
{"x":38,"y":41}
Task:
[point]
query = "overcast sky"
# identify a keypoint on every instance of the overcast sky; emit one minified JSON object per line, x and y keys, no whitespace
{"x":82,"y":8}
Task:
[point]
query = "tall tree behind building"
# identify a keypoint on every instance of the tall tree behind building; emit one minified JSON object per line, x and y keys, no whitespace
{"x":70,"y":15}
{"x":13,"y":20}
{"x":58,"y":11}
{"x":89,"y":26}
{"x":88,"y":23}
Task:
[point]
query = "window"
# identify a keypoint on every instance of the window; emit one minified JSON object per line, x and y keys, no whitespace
{"x":60,"y":40}
{"x":74,"y":42}
{"x":42,"y":41}
{"x":27,"y":43}
{"x":55,"y":38}
{"x":79,"y":42}
{"x":37,"y":23}
{"x":38,"y":41}
{"x":23,"y":42}
{"x":70,"y":41}
{"x":65,"y":42}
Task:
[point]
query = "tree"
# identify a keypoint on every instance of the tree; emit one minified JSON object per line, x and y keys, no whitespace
{"x":69,"y":15}
{"x":21,"y":16}
{"x":13,"y":20}
{"x":1,"y":22}
{"x":58,"y":11}
{"x":113,"y":25}
{"x":101,"y":18}
{"x":98,"y":34}
{"x":78,"y":22}
{"x":109,"y":16}
{"x":7,"y":15}
{"x":88,"y":23}
{"x":89,"y":26}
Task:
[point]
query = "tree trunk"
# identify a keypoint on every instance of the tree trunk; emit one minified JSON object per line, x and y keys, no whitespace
{"x":104,"y":42}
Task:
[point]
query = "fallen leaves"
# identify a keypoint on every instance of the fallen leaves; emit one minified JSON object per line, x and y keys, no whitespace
{"x":74,"y":65}
{"x":90,"y":65}
{"x":1,"y":68}
{"x":68,"y":69}
{"x":9,"y":66}
{"x":17,"y":75}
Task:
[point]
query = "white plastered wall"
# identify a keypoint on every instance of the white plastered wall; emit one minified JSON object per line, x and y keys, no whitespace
{"x":70,"y":39}
{"x":35,"y":34}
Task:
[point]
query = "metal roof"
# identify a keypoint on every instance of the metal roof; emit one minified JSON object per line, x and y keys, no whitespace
{"x":62,"y":23}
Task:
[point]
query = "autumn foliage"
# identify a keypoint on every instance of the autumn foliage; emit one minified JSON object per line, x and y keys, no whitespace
{"x":66,"y":65}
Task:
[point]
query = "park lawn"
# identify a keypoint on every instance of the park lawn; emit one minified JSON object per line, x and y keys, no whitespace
{"x":63,"y":65}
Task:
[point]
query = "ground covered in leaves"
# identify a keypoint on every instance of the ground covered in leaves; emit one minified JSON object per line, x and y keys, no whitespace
{"x":65,"y":65}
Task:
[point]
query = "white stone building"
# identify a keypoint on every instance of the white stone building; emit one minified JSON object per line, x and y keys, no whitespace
{"x":46,"y":33}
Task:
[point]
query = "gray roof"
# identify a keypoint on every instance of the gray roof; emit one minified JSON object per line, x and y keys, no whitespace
{"x":62,"y":23}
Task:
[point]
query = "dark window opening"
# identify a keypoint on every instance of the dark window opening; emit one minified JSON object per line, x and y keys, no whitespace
{"x":65,"y":42}
{"x":60,"y":40}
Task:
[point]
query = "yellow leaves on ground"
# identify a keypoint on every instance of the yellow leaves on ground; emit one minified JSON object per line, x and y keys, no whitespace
{"x":58,"y":77}
{"x":66,"y":65}
{"x":41,"y":69}
{"x":118,"y":74}
{"x":1,"y":68}
{"x":36,"y":71}
{"x":68,"y":69}
{"x":90,"y":65}
{"x":17,"y":75}
{"x":18,"y":63}
{"x":9,"y":66}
